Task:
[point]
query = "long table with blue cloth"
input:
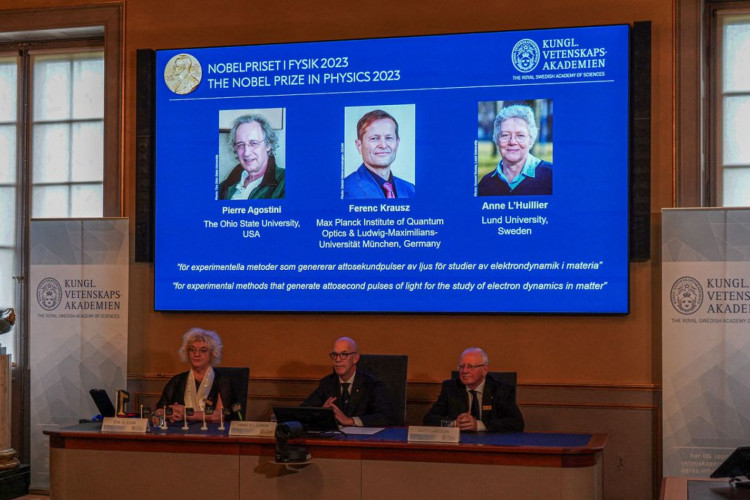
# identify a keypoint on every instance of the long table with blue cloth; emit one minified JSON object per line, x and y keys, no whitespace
{"x":193,"y":464}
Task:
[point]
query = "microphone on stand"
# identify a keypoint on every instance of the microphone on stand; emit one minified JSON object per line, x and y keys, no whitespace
{"x":188,"y":412}
{"x":237,"y":408}
{"x":225,"y":412}
{"x":208,"y":409}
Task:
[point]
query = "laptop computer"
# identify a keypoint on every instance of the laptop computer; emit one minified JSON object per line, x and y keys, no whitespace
{"x":736,"y":465}
{"x":102,"y":402}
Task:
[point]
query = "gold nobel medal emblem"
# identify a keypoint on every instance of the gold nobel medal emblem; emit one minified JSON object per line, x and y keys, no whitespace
{"x":182,"y":74}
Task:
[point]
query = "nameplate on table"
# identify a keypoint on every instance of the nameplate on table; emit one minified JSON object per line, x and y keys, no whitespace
{"x":265,"y":429}
{"x":433,"y":434}
{"x":131,"y":425}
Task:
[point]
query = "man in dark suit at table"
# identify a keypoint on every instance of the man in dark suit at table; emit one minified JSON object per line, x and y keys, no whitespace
{"x":357,"y":398}
{"x":476,"y":401}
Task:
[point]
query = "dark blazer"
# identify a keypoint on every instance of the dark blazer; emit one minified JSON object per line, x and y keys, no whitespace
{"x":453,"y":400}
{"x":361,"y":184}
{"x":492,"y":185}
{"x":272,"y":186}
{"x":174,"y":391}
{"x":367,"y":401}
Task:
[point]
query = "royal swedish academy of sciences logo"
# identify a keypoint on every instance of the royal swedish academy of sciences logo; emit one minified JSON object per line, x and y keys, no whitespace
{"x":525,"y":55}
{"x":686,"y":295}
{"x":49,"y":294}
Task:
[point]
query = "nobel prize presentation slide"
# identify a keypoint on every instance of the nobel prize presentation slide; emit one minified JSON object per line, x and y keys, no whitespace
{"x":470,"y":173}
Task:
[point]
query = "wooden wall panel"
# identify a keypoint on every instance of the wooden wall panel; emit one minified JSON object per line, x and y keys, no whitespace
{"x":549,"y":349}
{"x":573,"y":349}
{"x":552,"y":354}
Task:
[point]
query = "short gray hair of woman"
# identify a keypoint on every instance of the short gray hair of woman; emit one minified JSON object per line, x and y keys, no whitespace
{"x":212,"y":339}
{"x":525,"y":113}
{"x":269,"y":134}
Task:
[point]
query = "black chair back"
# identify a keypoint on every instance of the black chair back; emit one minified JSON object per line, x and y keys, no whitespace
{"x":391,"y":370}
{"x":509,"y":378}
{"x":239,"y":379}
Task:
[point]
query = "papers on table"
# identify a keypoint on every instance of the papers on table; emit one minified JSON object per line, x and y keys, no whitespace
{"x":361,"y":431}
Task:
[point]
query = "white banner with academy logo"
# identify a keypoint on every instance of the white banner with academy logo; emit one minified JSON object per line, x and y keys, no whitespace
{"x":78,"y":323}
{"x":705,"y":337}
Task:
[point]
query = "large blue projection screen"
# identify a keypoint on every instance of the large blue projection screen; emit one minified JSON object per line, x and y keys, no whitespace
{"x":274,"y":163}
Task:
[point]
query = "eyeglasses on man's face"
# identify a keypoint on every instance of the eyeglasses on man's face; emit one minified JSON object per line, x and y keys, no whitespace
{"x":241,"y":146}
{"x":469,"y":366}
{"x":341,"y":355}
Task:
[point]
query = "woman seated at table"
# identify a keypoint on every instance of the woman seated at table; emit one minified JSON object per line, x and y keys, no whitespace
{"x":201,"y":386}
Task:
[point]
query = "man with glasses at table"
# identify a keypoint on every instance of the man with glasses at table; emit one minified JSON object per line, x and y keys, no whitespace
{"x":257,"y":176}
{"x":357,"y":398}
{"x":476,"y":401}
